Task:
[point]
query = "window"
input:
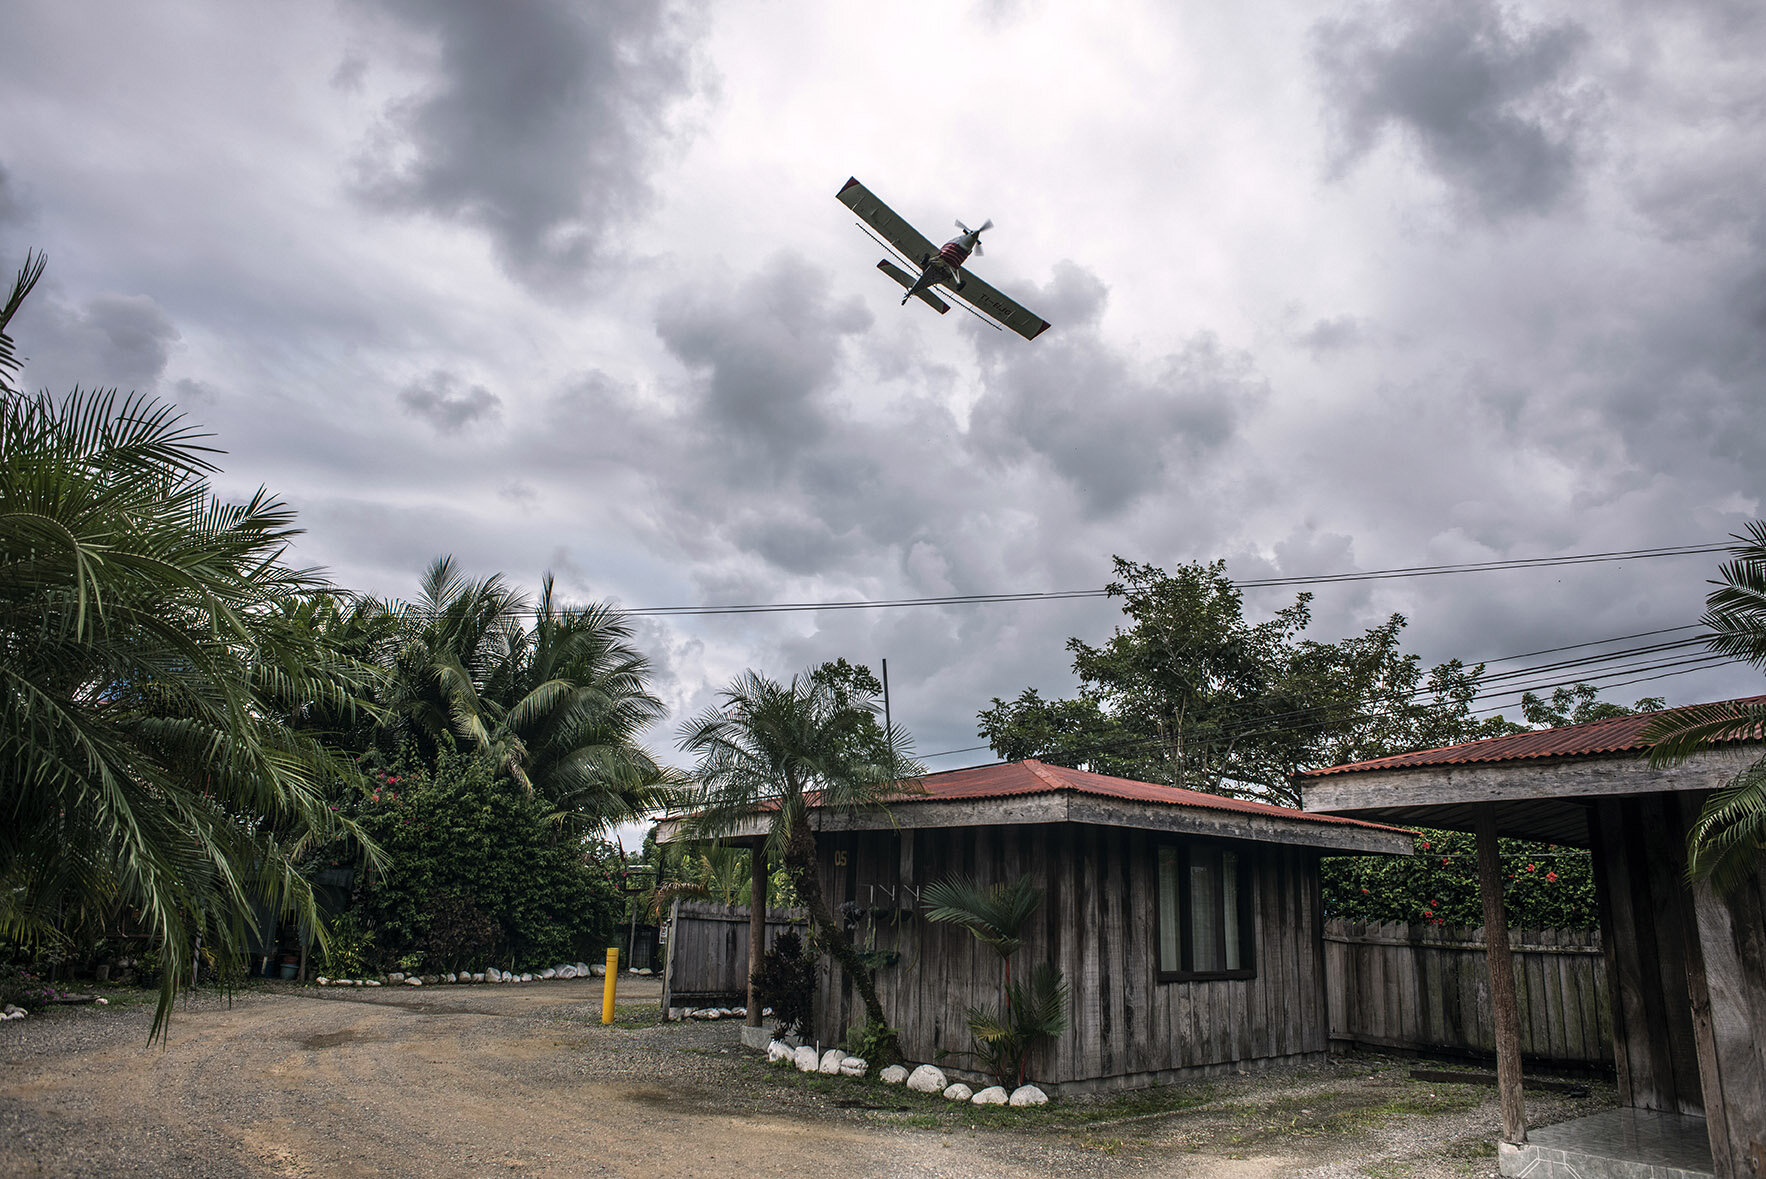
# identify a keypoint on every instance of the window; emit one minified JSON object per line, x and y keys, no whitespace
{"x":1204,"y":913}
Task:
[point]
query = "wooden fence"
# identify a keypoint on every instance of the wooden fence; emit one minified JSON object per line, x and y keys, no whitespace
{"x":1427,"y":988}
{"x":707,"y":951}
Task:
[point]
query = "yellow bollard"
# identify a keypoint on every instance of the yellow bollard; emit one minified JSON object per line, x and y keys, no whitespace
{"x":612,"y":984}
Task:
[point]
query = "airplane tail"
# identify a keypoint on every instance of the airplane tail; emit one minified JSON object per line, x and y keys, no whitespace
{"x":906,"y":280}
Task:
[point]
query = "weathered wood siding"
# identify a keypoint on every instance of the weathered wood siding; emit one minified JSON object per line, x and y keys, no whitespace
{"x":1427,"y":988}
{"x":1690,"y":965}
{"x":707,"y":955}
{"x":1097,"y":925}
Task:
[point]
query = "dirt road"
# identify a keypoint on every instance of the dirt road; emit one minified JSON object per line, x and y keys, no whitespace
{"x":470,"y":1081}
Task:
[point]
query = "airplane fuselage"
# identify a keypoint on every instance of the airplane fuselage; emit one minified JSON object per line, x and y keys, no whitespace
{"x":946,"y":266}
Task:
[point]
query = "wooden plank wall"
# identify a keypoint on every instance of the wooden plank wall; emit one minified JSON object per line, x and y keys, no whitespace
{"x":708,"y":950}
{"x":1427,"y":988}
{"x":1730,"y":1018}
{"x":1097,"y":925}
{"x":1646,"y":914}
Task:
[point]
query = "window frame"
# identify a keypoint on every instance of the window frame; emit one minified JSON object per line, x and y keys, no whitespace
{"x":1187,"y":852}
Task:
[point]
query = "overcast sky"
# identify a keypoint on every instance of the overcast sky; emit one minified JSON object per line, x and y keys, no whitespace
{"x":564,"y":286}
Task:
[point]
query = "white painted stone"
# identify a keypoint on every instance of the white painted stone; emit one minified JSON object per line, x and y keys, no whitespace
{"x":1029,"y":1095}
{"x":992,"y":1095}
{"x":598,"y":970}
{"x":478,"y":976}
{"x":958,"y":1092}
{"x":893,"y":1075}
{"x":373,"y":982}
{"x":322,"y":981}
{"x":806,"y":1059}
{"x":549,"y":972}
{"x":775,"y":1052}
{"x":526,"y":977}
{"x":927,"y":1079}
{"x":102,"y":1002}
{"x":413,"y":981}
{"x":830,"y":1062}
{"x":450,"y":976}
{"x":492,"y":974}
{"x":567,"y":972}
{"x":397,"y":976}
{"x":854,"y":1066}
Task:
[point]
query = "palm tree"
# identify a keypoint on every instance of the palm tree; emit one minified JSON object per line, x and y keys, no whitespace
{"x":571,"y":695}
{"x":144,"y":759}
{"x":558,"y":705}
{"x":1726,"y":842}
{"x":995,"y":914}
{"x":780,"y":750}
{"x":451,"y":640}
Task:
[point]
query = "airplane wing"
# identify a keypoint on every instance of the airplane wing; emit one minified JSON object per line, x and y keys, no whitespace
{"x":880,"y":217}
{"x":996,"y":306}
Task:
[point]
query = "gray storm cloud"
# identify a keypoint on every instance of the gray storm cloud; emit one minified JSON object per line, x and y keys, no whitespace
{"x":1489,"y":103}
{"x":540,"y":127}
{"x":448,"y":404}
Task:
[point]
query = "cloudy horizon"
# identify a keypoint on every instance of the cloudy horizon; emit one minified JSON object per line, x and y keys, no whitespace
{"x":554,"y":287}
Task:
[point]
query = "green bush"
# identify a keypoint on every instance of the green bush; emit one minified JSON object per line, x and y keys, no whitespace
{"x":351,"y":952}
{"x":477,"y":872}
{"x":787,"y":984}
{"x":1545,"y":886}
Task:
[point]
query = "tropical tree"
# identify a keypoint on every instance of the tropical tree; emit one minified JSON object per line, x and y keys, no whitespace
{"x":1727,"y":841}
{"x":145,"y":680}
{"x":557,"y":702}
{"x":1191,"y":694}
{"x":777,"y":751}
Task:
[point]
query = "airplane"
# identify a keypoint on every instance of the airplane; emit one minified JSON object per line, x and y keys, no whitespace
{"x":938,"y":267}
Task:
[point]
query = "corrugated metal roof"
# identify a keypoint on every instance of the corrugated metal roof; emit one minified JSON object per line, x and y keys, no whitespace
{"x":1619,"y":734}
{"x":1012,"y":778}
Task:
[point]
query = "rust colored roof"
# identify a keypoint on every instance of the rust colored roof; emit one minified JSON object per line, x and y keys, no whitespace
{"x":1619,"y":734}
{"x":1011,"y":778}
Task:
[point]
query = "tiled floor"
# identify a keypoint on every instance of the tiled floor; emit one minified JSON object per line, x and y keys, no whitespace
{"x":1614,"y":1144}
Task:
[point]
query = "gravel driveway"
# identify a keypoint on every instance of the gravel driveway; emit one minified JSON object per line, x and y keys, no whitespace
{"x":499,"y":1080}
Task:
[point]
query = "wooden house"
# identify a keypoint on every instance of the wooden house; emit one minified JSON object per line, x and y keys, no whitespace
{"x":1686,"y":966}
{"x":1188,"y":926}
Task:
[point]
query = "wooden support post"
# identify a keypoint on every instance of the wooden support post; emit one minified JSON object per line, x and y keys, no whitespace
{"x":1503,"y":1007}
{"x":756,"y":926}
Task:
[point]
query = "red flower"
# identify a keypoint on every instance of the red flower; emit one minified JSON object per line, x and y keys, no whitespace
{"x":1532,"y":867}
{"x":1551,"y":876}
{"x":1424,"y":845}
{"x":1443,"y":861}
{"x":1428,"y":912}
{"x":1364,"y":892}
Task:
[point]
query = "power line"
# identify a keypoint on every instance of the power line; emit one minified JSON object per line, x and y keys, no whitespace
{"x":1252,"y":583}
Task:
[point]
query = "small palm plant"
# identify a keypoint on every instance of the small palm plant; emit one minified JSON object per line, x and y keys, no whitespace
{"x":1727,"y":842}
{"x":1030,"y":1011}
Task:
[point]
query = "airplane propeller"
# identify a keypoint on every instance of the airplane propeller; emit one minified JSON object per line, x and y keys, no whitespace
{"x":985,"y":226}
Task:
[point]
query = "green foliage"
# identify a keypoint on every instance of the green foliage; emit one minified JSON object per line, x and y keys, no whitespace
{"x":787,"y":984}
{"x":1726,"y":844}
{"x":874,"y":1041}
{"x":1033,"y":1012}
{"x":350,"y":953}
{"x":1190,"y":694}
{"x":556,"y":703}
{"x":1545,"y":886}
{"x":469,"y":843}
{"x":994,"y":913}
{"x":1578,"y":705}
{"x":149,"y":672}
